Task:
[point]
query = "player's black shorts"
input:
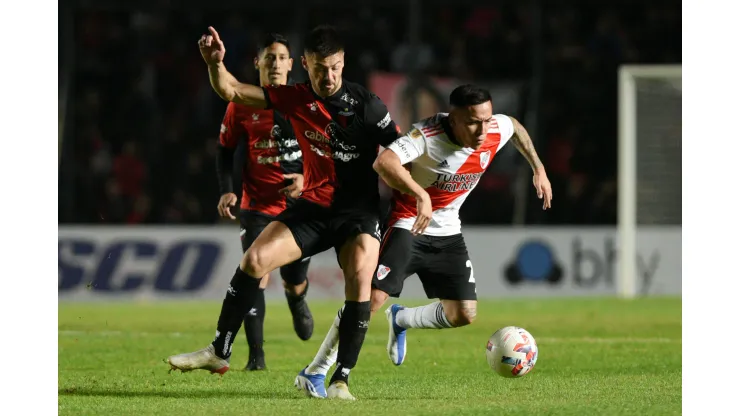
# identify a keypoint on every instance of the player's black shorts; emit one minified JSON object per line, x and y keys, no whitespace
{"x":317,"y":229}
{"x":252,"y":224}
{"x":442,"y":264}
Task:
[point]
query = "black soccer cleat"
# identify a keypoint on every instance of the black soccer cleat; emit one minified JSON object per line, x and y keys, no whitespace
{"x":302,"y":318}
{"x":255,"y":363}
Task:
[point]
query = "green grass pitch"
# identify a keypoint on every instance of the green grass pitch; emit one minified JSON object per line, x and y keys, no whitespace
{"x":596,"y":357}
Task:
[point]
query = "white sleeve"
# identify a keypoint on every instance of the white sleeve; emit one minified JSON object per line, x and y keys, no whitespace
{"x":505,"y":126}
{"x":409,"y":147}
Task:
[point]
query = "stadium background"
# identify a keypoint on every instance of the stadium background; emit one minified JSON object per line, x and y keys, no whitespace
{"x":137,"y":189}
{"x":139,"y":124}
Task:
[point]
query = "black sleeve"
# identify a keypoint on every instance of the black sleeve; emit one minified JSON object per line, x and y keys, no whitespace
{"x":379,"y":121}
{"x":268,"y":102}
{"x":225,"y":169}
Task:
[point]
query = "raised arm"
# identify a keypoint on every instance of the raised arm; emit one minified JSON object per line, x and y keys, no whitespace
{"x":524,"y":144}
{"x":226,"y":86}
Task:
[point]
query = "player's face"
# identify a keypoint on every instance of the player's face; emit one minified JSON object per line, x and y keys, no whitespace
{"x":325,"y":73}
{"x":470,"y":124}
{"x":274,"y":64}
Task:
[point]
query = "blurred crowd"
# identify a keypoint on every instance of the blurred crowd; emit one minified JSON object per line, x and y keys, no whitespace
{"x":144,"y":120}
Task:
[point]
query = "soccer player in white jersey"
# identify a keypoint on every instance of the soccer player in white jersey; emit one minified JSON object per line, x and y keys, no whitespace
{"x":448,"y":153}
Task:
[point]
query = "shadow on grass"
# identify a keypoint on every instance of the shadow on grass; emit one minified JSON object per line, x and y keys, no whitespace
{"x":200,"y":394}
{"x":179,"y":394}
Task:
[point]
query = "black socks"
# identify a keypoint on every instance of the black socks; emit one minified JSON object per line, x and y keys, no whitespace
{"x":242,"y":295}
{"x":353,"y":326}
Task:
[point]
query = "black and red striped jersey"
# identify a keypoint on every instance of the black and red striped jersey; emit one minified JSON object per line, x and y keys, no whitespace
{"x":339,"y":137}
{"x":271,"y":151}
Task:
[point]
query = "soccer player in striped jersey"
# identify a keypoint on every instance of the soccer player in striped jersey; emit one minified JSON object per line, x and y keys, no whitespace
{"x":448,"y":154}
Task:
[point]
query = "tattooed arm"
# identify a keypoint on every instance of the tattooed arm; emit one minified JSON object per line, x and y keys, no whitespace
{"x":524,"y":144}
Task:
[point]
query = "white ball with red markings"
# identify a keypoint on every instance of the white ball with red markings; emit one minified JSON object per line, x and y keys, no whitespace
{"x":511,"y":352}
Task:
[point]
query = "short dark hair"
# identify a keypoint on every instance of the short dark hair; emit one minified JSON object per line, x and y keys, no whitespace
{"x":467,"y":95}
{"x":323,"y":40}
{"x":271,"y":38}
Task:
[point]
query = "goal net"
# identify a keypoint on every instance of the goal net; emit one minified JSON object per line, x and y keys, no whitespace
{"x":649,"y":160}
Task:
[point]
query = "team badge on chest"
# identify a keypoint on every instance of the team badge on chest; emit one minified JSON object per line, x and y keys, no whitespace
{"x":485,"y":157}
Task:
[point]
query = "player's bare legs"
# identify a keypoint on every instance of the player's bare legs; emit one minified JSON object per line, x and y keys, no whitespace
{"x":274,"y":247}
{"x":442,"y":314}
{"x":295,"y":290}
{"x":377,"y":300}
{"x":358,"y":258}
{"x":456,"y":313}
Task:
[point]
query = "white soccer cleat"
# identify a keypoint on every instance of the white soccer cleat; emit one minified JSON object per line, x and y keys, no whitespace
{"x":205,"y":359}
{"x":339,"y":390}
{"x":396,"y":336}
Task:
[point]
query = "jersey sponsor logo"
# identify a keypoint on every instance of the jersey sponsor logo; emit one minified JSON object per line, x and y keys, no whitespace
{"x":269,"y":144}
{"x":402,"y":146}
{"x":224,"y":129}
{"x":134,"y":264}
{"x":316,"y":136}
{"x":382,"y":272}
{"x":288,"y":157}
{"x":335,"y":154}
{"x":328,"y":137}
{"x":443,"y":164}
{"x":457,"y":181}
{"x":385,"y":121}
{"x":485,"y":157}
{"x":313,"y":107}
{"x":255,"y":116}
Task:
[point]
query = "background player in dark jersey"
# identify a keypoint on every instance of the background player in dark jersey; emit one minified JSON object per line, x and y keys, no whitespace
{"x":339,"y":126}
{"x":272,"y":176}
{"x":448,"y":153}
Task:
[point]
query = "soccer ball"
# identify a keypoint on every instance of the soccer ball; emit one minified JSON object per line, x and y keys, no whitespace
{"x":511,"y":352}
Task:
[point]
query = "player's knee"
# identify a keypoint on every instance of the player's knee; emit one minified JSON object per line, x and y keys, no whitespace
{"x":461,"y":316}
{"x":255,"y":262}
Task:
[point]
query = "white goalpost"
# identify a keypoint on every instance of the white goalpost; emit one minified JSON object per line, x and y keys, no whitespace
{"x":649,"y":160}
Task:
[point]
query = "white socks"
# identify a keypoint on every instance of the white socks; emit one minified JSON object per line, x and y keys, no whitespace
{"x":430,"y":316}
{"x":327,"y":355}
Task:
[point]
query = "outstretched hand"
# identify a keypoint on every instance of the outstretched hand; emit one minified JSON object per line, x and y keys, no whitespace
{"x":211,"y":47}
